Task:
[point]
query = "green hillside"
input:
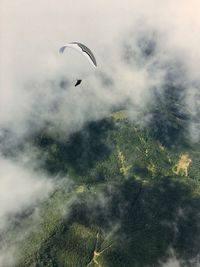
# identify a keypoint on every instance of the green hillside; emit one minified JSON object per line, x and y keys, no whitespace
{"x":127,"y":200}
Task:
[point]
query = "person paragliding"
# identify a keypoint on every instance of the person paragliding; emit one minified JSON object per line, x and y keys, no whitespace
{"x":78,"y":81}
{"x":84,"y":50}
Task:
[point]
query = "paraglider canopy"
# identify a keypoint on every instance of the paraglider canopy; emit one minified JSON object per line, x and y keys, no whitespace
{"x":81,"y":48}
{"x":85,"y":51}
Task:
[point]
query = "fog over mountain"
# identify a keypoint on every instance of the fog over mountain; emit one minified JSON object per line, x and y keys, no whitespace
{"x":141,"y":48}
{"x":32,"y":34}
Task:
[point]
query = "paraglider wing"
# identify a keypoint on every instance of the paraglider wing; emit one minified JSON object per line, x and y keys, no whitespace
{"x":82,"y":49}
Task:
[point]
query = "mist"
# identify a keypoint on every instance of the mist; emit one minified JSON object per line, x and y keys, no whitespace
{"x":37,"y":84}
{"x":30,"y":62}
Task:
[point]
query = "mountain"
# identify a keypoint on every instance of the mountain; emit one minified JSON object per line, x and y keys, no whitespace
{"x":122,"y":196}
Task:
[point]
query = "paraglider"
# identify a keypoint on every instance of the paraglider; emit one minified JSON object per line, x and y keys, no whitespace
{"x":81,"y":48}
{"x":78,"y":82}
{"x":84,"y":50}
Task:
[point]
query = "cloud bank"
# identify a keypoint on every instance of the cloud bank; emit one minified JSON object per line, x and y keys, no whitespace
{"x":37,"y":84}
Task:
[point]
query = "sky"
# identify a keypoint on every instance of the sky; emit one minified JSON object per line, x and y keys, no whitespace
{"x":33,"y":32}
{"x":31,"y":69}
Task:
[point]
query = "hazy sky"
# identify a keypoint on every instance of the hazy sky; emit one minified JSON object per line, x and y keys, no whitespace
{"x":31,"y":34}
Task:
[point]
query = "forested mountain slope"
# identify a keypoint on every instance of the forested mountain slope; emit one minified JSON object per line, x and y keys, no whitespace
{"x":126,"y":199}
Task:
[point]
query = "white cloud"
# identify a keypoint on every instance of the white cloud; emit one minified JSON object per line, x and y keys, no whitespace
{"x":20,"y":187}
{"x":32,"y":32}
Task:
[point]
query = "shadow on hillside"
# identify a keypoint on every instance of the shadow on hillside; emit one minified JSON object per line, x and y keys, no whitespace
{"x":80,"y":152}
{"x":153,"y":220}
